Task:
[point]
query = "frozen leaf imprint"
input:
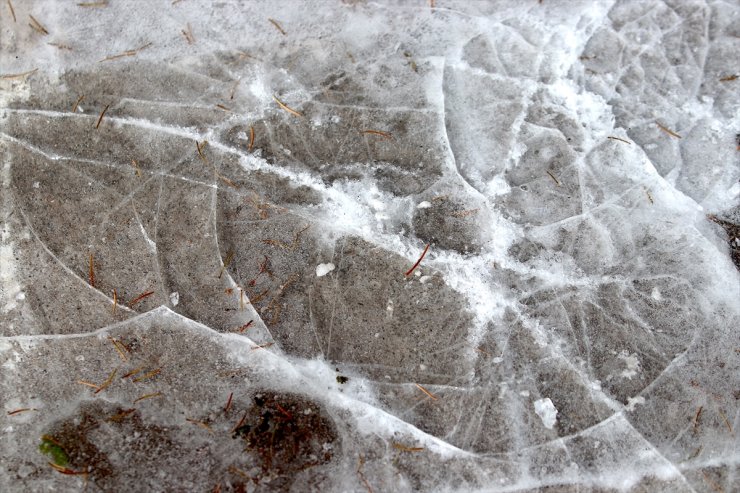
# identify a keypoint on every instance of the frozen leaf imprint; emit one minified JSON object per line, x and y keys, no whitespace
{"x":369,"y":246}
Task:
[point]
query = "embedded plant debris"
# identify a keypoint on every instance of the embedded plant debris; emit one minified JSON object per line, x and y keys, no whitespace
{"x":413,"y":267}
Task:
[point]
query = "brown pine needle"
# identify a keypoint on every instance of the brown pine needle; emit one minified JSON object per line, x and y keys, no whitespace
{"x":37,"y":26}
{"x":199,"y":423}
{"x":233,"y":89}
{"x":404,"y":448}
{"x":22,"y":410}
{"x":228,"y":403}
{"x":668,"y":131}
{"x":263,"y":346}
{"x":360,"y":464}
{"x":464,"y":214}
{"x":620,"y":140}
{"x":188,"y":33}
{"x":119,"y":416}
{"x":432,"y":396}
{"x":200,"y":148}
{"x":132,"y":372}
{"x":119,"y":348}
{"x":89,"y":384}
{"x":139,"y":298}
{"x":222,"y":107}
{"x":277,"y":26}
{"x":148,"y":396}
{"x":148,"y":375}
{"x":241,"y":422}
{"x":136,"y":167}
{"x":102,"y":3}
{"x":79,"y":100}
{"x":246,"y":326}
{"x":107,"y":382}
{"x":380,"y":133}
{"x":727,"y":422}
{"x":61,"y":46}
{"x":697,"y":416}
{"x":251,"y":138}
{"x":553,"y":178}
{"x":227,"y":261}
{"x":66,"y":470}
{"x":102,"y":114}
{"x":92,"y":271}
{"x":729,"y":78}
{"x":286,"y":107}
{"x":12,"y":10}
{"x":125,"y":53}
{"x":649,"y":196}
{"x":20,"y":75}
{"x":413,"y":267}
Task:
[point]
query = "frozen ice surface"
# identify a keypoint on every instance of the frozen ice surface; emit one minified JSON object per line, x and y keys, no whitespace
{"x":205,"y":289}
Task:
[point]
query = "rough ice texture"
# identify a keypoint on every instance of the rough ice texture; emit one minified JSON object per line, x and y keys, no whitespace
{"x":235,"y":316}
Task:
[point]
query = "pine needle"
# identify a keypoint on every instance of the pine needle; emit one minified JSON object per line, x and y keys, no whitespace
{"x":20,"y":75}
{"x":286,"y":107}
{"x":413,"y":267}
{"x":277,"y":26}
{"x":37,"y":26}
{"x":102,"y":114}
{"x":668,"y":131}
{"x":432,"y":396}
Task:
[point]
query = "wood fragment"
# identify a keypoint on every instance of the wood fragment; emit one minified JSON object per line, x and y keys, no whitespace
{"x":380,"y":133}
{"x":12,"y":11}
{"x":18,"y":76}
{"x":228,"y":403}
{"x":37,"y":26}
{"x":79,"y":100}
{"x":107,"y":382}
{"x":619,"y":139}
{"x":668,"y":131}
{"x":139,"y":298}
{"x":222,"y":107}
{"x":413,"y":267}
{"x":404,"y":448}
{"x":102,"y":3}
{"x":277,"y":26}
{"x":135,"y":164}
{"x":251,"y":139}
{"x":649,"y":196}
{"x":227,"y":261}
{"x":92,"y":271}
{"x":697,"y":416}
{"x":432,"y":396}
{"x":126,"y":53}
{"x":188,"y":33}
{"x":120,"y":348}
{"x":286,"y":107}
{"x":729,"y":78}
{"x":148,"y":375}
{"x":102,"y":114}
{"x":553,"y":178}
{"x":199,"y":423}
{"x":148,"y":396}
{"x":22,"y":410}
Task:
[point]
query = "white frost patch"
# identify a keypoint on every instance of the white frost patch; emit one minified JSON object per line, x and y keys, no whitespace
{"x":632,"y":363}
{"x":634,"y":401}
{"x":424,"y":205}
{"x":545,"y":409}
{"x":175,"y":298}
{"x":9,"y":286}
{"x":324,"y":269}
{"x":655,"y":294}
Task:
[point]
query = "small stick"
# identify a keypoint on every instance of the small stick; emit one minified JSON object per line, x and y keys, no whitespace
{"x":102,"y":114}
{"x":286,"y":107}
{"x":148,"y":375}
{"x":19,"y":76}
{"x":277,"y":26}
{"x":89,"y":384}
{"x":729,"y":78}
{"x":107,"y":382}
{"x":404,"y":448}
{"x":434,"y":397}
{"x":188,"y":33}
{"x":37,"y":26}
{"x":378,"y":132}
{"x":148,"y":396}
{"x":413,"y":267}
{"x":553,"y":178}
{"x":199,"y":423}
{"x":136,"y":166}
{"x":251,"y":138}
{"x":12,"y":10}
{"x":227,"y":261}
{"x":696,"y":418}
{"x":228,"y":403}
{"x":92,"y":271}
{"x":668,"y":131}
{"x":139,"y":298}
{"x":132,"y":372}
{"x":79,"y":100}
{"x":620,"y":140}
{"x":102,"y":3}
{"x":22,"y":410}
{"x":224,"y":108}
